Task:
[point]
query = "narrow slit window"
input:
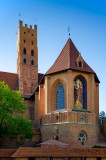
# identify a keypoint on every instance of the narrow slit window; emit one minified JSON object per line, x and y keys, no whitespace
{"x":32,"y":53}
{"x":24,"y":61}
{"x":24,"y":51}
{"x":32,"y":62}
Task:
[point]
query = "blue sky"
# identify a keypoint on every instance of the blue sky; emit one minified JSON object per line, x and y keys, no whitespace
{"x":86,"y":18}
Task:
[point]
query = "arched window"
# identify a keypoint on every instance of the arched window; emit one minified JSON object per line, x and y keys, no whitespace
{"x":32,"y":62}
{"x":24,"y":61}
{"x":80,"y":92}
{"x":81,"y":137}
{"x":24,"y":51}
{"x":60,"y":95}
{"x":32,"y":53}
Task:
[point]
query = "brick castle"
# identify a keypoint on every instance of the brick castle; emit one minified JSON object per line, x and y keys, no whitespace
{"x":64,"y":102}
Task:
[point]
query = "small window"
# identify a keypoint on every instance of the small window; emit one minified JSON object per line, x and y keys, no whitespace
{"x":24,"y":41}
{"x":32,"y":43}
{"x":25,"y":83}
{"x":57,"y":117}
{"x":82,"y":118}
{"x":32,"y":34}
{"x":24,"y":51}
{"x":24,"y":32}
{"x":24,"y":61}
{"x":56,"y":137}
{"x":32,"y":62}
{"x":32,"y":113}
{"x":80,"y":64}
{"x":81,"y":137}
{"x":32,"y":53}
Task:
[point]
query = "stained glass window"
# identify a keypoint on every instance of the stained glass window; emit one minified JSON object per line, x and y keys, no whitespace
{"x":82,"y":137}
{"x":60,"y":95}
{"x":82,"y":118}
{"x":80,"y":92}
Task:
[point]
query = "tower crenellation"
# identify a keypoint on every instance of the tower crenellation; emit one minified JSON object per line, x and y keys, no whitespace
{"x":27,"y":58}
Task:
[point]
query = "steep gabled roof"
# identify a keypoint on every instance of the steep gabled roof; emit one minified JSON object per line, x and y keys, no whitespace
{"x":67,"y":60}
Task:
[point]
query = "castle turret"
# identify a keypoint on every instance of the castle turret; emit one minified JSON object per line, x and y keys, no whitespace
{"x":27,"y":58}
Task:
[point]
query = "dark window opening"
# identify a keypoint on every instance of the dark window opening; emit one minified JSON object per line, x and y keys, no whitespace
{"x":32,"y":113}
{"x":25,"y":83}
{"x":80,"y":64}
{"x":24,"y":41}
{"x":24,"y":51}
{"x":32,"y":62}
{"x":24,"y":61}
{"x":83,"y":143}
{"x":32,"y":84}
{"x":83,"y":158}
{"x":31,"y":158}
{"x":57,"y":117}
{"x":32,"y":53}
{"x":32,"y":43}
{"x":24,"y":32}
{"x":32,"y":34}
{"x":56,"y":138}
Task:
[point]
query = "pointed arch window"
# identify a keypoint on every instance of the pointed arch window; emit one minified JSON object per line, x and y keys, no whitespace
{"x":32,"y":53}
{"x":32,"y":62}
{"x":80,"y":92}
{"x":60,"y":96}
{"x":24,"y":61}
{"x":81,"y":136}
{"x":24,"y":51}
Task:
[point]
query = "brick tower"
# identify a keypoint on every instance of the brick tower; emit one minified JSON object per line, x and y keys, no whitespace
{"x":27,"y":58}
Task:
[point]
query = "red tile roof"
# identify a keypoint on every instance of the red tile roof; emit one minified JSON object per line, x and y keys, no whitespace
{"x":11,"y":79}
{"x":54,"y":144}
{"x":67,"y":60}
{"x":6,"y":152}
{"x":58,"y":152}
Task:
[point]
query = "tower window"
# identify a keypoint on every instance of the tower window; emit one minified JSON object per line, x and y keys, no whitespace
{"x":24,"y":32}
{"x":32,"y":34}
{"x":24,"y":61}
{"x":32,"y":43}
{"x":32,"y":53}
{"x":32,"y":62}
{"x":24,"y":51}
{"x":24,"y":41}
{"x":80,"y":64}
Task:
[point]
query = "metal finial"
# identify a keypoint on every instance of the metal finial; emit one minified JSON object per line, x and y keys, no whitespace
{"x":69,"y":30}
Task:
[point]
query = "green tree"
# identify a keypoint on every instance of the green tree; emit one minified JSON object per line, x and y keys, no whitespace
{"x":12,"y":122}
